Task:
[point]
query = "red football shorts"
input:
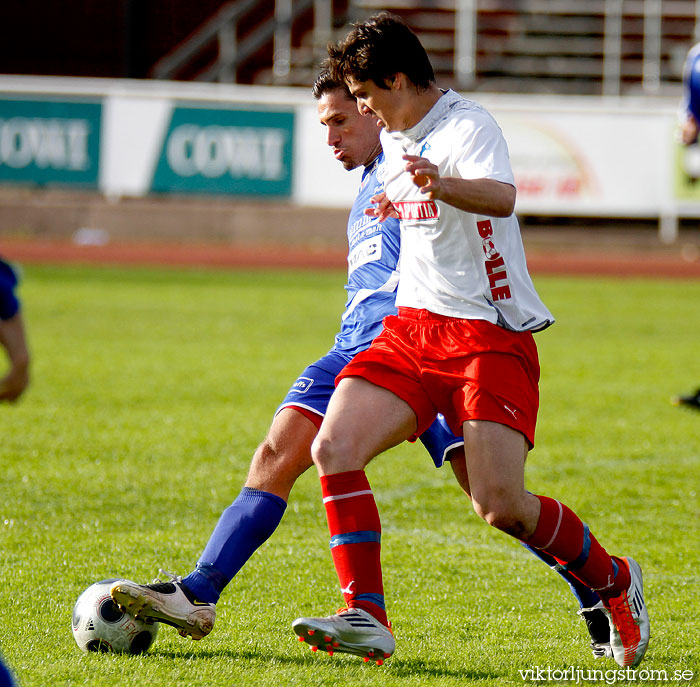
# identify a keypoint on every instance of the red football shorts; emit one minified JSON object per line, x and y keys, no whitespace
{"x":464,"y":369}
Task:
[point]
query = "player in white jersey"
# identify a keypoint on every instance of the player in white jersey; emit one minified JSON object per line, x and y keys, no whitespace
{"x":461,"y":345}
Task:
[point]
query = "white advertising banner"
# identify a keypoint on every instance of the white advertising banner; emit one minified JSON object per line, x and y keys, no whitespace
{"x":584,"y":156}
{"x":606,"y":161}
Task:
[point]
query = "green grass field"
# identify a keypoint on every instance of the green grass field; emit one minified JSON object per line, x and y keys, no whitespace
{"x":151,"y":389}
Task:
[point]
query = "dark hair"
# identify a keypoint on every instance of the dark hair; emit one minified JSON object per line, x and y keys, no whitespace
{"x":377,"y":49}
{"x":326,"y":82}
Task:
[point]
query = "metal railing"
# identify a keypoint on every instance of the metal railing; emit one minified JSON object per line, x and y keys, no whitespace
{"x":222,"y":30}
{"x":608,"y":65}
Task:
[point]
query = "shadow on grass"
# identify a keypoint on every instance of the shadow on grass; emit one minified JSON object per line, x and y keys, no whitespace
{"x":397,"y":667}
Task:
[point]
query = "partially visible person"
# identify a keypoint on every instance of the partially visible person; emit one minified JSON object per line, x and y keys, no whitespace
{"x":689,"y":128}
{"x":6,"y":677}
{"x":690,"y":104}
{"x":16,"y":379}
{"x":12,"y":337}
{"x":689,"y":401}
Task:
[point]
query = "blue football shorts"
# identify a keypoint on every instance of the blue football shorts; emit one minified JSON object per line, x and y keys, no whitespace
{"x":312,"y":391}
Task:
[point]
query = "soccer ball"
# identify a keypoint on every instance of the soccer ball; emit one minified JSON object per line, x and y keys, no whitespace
{"x":100,"y":625}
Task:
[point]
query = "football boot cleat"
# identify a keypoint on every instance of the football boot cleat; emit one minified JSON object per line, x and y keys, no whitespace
{"x":349,"y":631}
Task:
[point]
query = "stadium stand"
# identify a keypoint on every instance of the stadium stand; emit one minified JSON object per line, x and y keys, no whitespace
{"x":587,"y":47}
{"x":607,"y":47}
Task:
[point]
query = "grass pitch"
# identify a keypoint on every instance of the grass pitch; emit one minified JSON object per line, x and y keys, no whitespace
{"x":151,"y":389}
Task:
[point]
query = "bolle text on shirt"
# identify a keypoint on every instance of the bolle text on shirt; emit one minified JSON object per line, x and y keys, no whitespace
{"x":495,"y":265}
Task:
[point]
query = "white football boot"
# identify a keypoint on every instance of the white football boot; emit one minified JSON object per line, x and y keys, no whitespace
{"x":629,"y":620}
{"x":166,"y":602}
{"x":349,"y":631}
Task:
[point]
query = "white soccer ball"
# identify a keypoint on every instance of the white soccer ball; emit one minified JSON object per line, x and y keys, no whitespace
{"x":100,"y":625}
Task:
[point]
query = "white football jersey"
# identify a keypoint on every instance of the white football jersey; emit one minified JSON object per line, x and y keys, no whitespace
{"x":453,"y":262}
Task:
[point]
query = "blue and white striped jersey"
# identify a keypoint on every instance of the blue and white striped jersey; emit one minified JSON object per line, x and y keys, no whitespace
{"x":373,"y":255}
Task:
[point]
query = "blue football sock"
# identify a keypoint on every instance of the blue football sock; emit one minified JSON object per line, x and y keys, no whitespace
{"x":242,"y":528}
{"x":586,"y":597}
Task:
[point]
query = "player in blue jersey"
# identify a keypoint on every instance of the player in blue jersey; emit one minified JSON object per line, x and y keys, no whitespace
{"x":189,"y":603}
{"x":690,"y":106}
{"x":689,"y":129}
{"x":12,"y":337}
{"x":16,"y":379}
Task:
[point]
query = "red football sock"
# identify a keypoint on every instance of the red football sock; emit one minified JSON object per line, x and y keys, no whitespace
{"x":355,"y":529}
{"x":562,"y":534}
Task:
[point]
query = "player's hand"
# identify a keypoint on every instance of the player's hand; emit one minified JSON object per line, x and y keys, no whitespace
{"x":383,"y":208}
{"x":689,"y":131}
{"x":424,"y":174}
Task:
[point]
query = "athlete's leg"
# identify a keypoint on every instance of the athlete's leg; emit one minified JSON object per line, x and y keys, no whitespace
{"x":362,"y":421}
{"x":596,"y":622}
{"x":285,"y":454}
{"x":189,"y":604}
{"x":443,"y":446}
{"x":585,"y":596}
{"x":248,"y":522}
{"x":495,"y":466}
{"x":458,"y":463}
{"x":495,"y":476}
{"x":277,"y":464}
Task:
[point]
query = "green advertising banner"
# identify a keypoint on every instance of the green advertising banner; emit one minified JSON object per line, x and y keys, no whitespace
{"x":49,"y":142}
{"x":243,"y":152}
